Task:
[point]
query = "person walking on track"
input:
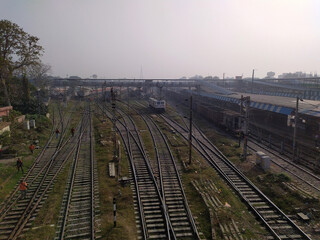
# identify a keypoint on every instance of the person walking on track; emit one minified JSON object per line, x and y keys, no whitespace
{"x":23,"y":186}
{"x":72,"y":131}
{"x":31,"y":147}
{"x":57,"y":133}
{"x":20,"y":165}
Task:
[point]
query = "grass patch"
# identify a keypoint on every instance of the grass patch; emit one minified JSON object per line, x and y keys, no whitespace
{"x":44,"y":226}
{"x":110,"y":188}
{"x":18,"y":143}
{"x":272,"y":185}
{"x":145,"y":136}
{"x":289,"y":201}
{"x":200,"y":169}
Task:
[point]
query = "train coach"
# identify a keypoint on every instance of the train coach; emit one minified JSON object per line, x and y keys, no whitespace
{"x":157,"y":105}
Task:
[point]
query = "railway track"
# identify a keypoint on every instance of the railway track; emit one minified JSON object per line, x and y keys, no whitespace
{"x":309,"y":181}
{"x":77,"y":219}
{"x":16,"y":213}
{"x":306,"y":155}
{"x":155,"y":223}
{"x":276,"y":222}
{"x":38,"y":165}
{"x":150,"y":204}
{"x":167,"y":174}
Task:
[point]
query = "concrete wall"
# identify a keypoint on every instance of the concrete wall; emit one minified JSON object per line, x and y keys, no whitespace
{"x":4,"y":111}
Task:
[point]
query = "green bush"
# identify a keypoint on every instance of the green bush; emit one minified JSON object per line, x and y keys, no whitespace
{"x":42,"y":122}
{"x":5,"y":139}
{"x":31,"y":107}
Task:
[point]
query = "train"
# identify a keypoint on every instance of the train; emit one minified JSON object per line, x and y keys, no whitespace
{"x":157,"y":105}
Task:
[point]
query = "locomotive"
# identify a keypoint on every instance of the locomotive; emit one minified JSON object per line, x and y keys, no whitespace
{"x":157,"y":105}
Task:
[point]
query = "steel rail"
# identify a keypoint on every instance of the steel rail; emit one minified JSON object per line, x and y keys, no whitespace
{"x":260,"y":193}
{"x":129,"y":153}
{"x":2,"y":211}
{"x":35,"y":200}
{"x":291,"y":172}
{"x":307,"y":159}
{"x":284,"y":159}
{"x":6,"y":207}
{"x":222,"y":173}
{"x":92,"y":177}
{"x":160,"y":173}
{"x":27,"y":215}
{"x":220,"y":155}
{"x":142,"y":151}
{"x":190,"y":217}
{"x":189,"y":214}
{"x":62,"y":231}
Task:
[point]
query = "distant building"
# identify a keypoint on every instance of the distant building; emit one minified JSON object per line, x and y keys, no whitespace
{"x":74,"y":77}
{"x":238,"y":77}
{"x":296,"y":75}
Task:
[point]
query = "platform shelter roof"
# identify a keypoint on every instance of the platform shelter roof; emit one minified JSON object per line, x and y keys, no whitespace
{"x":276,"y":104}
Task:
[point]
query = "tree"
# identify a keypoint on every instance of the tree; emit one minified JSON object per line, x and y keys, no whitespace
{"x":39,"y":73}
{"x":18,"y":50}
{"x":26,"y":89}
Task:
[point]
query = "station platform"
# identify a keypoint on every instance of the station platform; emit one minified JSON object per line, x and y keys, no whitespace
{"x":282,"y":105}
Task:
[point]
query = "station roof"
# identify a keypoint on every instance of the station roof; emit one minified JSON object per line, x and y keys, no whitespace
{"x":215,"y":88}
{"x":279,"y":85}
{"x":282,"y":105}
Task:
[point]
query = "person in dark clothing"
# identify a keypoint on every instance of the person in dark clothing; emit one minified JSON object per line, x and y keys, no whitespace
{"x":20,"y":165}
{"x":57,"y":133}
{"x":72,"y":131}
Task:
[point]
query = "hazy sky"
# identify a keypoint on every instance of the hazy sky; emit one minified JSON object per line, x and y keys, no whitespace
{"x":172,"y":38}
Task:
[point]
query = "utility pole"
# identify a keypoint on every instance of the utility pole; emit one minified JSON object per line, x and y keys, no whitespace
{"x":246,"y":135}
{"x":252,"y":81}
{"x":295,"y":130}
{"x":114,"y":212}
{"x":104,"y":90}
{"x":190,"y":131}
{"x":102,"y":93}
{"x":128,"y":98}
{"x":119,"y":158}
{"x":160,"y":92}
{"x":224,"y":83}
{"x":113,"y":104}
{"x":241,"y":119}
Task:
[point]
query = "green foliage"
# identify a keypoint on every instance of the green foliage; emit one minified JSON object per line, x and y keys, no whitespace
{"x":5,"y":139}
{"x":31,"y":107}
{"x":42,"y":122}
{"x":13,"y":114}
{"x":24,"y":97}
{"x":26,"y":89}
{"x":19,"y":50}
{"x":276,"y":178}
